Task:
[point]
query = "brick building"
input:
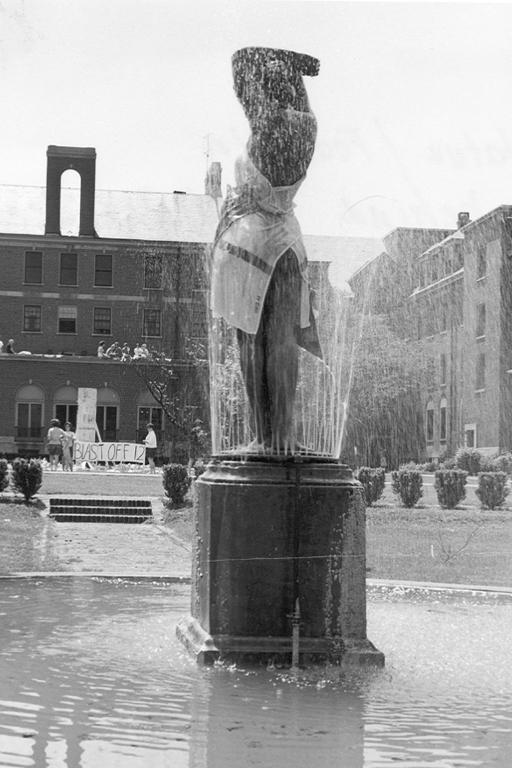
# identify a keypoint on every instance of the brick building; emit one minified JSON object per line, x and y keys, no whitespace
{"x":463,"y":305}
{"x":451,"y":289}
{"x":84,"y":265}
{"x":133,"y":270}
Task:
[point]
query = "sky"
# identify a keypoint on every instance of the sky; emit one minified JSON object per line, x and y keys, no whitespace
{"x":412,"y":100}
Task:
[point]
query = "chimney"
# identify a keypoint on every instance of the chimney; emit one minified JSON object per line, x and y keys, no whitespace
{"x":212,"y":183}
{"x":462,"y":220}
{"x":82,"y":160}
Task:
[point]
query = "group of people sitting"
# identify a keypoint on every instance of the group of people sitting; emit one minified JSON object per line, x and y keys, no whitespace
{"x":123,"y":353}
{"x":9,"y":350}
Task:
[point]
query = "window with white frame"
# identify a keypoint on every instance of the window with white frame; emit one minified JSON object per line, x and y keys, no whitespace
{"x":102,"y":321}
{"x":152,"y":323}
{"x":67,"y":319}
{"x":32,"y":318}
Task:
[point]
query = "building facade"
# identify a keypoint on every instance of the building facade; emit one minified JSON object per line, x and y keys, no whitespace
{"x":133,"y":271}
{"x":450,"y":291}
{"x":463,"y":307}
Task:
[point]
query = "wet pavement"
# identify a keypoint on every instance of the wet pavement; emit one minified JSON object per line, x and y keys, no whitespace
{"x":108,"y":548}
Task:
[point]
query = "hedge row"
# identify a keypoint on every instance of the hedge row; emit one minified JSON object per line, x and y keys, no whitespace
{"x":450,"y":486}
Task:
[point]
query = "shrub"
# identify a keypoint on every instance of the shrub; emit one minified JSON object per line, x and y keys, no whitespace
{"x":27,"y":476}
{"x":469,"y":460}
{"x":502,"y":463}
{"x":199,"y":467}
{"x":408,"y":485}
{"x":450,"y":485}
{"x":372,"y":481}
{"x":176,"y":482}
{"x":492,"y":489}
{"x":449,"y":463}
{"x":4,"y":474}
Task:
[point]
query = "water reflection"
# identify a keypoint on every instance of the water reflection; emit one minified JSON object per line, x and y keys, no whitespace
{"x":91,"y":675}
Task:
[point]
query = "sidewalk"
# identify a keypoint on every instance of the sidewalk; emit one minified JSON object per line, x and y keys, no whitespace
{"x":146,"y":549}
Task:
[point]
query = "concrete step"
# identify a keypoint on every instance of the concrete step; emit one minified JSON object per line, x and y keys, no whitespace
{"x":87,"y":510}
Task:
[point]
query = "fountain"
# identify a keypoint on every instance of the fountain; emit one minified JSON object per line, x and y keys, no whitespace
{"x":92,"y":675}
{"x":279,"y":560}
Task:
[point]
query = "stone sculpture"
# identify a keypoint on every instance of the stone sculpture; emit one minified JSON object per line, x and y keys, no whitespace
{"x":259,"y":278}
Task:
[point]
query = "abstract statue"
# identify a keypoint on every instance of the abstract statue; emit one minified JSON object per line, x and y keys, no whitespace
{"x":259,"y":279}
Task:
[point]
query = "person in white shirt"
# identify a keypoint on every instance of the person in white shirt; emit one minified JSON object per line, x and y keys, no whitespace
{"x":150,"y":443}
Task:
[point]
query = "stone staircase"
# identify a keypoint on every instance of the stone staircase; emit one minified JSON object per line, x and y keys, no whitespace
{"x":109,"y":510}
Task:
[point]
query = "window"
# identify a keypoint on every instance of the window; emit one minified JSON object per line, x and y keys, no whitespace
{"x":151,"y":325}
{"x":65,"y":404}
{"x":199,"y":315}
{"x":146,"y":415}
{"x":103,"y":270}
{"x":443,"y":318}
{"x":481,"y":263}
{"x":458,"y":256}
{"x":430,"y":422}
{"x":67,"y":319}
{"x":32,"y":317}
{"x":29,"y":413}
{"x":34,"y":267}
{"x":442,"y":420}
{"x":448,"y":265}
{"x":106,"y":419}
{"x":153,"y":270}
{"x":443,"y":369}
{"x":470,"y":435}
{"x":68,"y":269}
{"x":480,"y":371}
{"x":480,"y":321}
{"x":102,"y":321}
{"x":434,"y":267}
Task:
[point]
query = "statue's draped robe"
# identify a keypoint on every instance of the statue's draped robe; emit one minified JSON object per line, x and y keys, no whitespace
{"x":257,"y":227}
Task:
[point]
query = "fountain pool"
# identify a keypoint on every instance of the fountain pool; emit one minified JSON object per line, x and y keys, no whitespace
{"x":91,"y":674}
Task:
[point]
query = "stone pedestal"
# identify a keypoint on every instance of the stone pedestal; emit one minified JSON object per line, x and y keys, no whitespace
{"x":271,"y":532}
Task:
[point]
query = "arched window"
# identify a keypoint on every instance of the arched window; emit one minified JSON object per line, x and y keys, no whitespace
{"x":29,"y":413}
{"x":430,"y":422}
{"x":65,"y":404}
{"x":107,"y":413}
{"x":70,"y":203}
{"x":442,"y":419}
{"x":148,"y":410}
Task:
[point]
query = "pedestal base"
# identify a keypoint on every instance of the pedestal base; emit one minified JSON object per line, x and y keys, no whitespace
{"x":278,"y":650}
{"x":280,"y":545}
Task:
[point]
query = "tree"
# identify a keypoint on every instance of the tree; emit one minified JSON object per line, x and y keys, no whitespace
{"x":385,"y":415}
{"x":181,"y":389}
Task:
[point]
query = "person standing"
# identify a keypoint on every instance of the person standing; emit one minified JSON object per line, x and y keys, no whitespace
{"x":150,"y":443}
{"x":67,"y":447}
{"x":54,"y":439}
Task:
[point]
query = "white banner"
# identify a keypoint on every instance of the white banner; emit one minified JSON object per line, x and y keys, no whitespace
{"x":119,"y":453}
{"x":86,"y":416}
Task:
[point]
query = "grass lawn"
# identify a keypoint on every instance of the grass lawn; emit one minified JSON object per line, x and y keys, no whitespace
{"x":466,"y":545}
{"x":102,"y":484}
{"x":427,"y":543}
{"x":23,"y":530}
